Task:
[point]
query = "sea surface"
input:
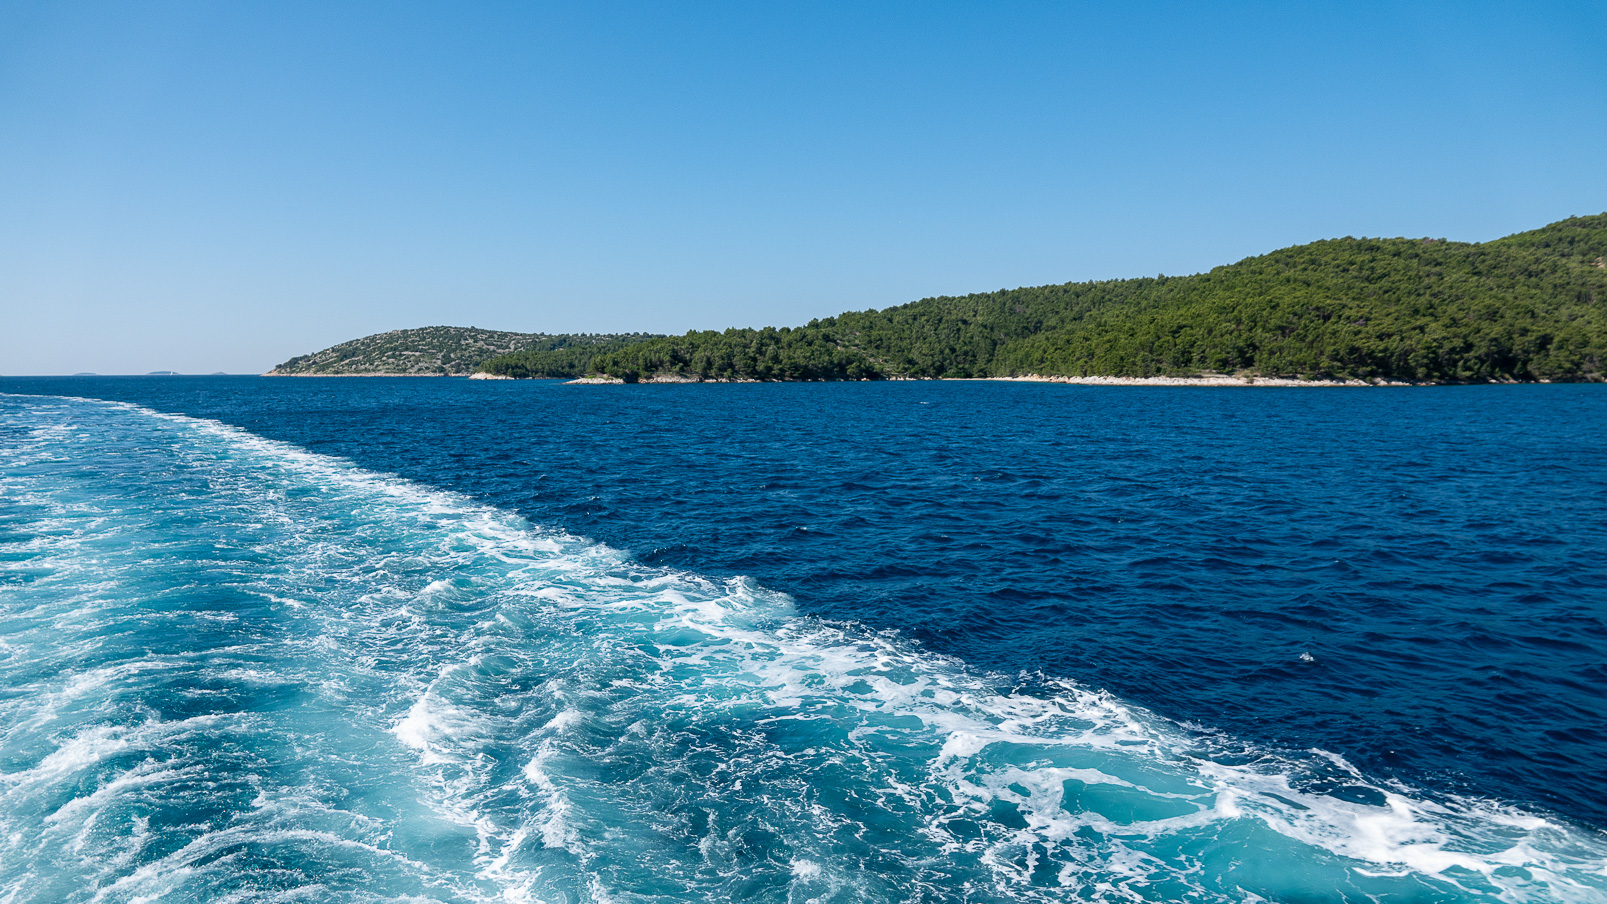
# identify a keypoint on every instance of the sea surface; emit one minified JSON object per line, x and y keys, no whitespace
{"x":392,"y":640}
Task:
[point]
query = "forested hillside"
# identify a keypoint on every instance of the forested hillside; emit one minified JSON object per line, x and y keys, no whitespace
{"x":1531,"y":306}
{"x":561,"y":356}
{"x":455,"y":351}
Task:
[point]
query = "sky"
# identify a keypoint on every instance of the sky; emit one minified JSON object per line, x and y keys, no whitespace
{"x":206,"y":186}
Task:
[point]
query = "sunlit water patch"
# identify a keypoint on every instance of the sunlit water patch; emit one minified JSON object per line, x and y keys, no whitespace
{"x":231,"y":670}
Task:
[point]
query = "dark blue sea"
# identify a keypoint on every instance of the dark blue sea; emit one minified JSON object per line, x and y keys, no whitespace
{"x":446,"y":640}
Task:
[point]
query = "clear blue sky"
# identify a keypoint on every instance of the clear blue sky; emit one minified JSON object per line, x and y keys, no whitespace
{"x":220,"y":186}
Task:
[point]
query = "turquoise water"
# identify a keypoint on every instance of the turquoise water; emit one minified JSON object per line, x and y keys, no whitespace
{"x":235,"y":670}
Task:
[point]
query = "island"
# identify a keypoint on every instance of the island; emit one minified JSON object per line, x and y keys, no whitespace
{"x":1530,"y":307}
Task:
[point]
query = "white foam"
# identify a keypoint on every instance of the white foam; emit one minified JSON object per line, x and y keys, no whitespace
{"x":800,"y":666}
{"x":77,"y":753}
{"x":668,"y":649}
{"x":432,"y":725}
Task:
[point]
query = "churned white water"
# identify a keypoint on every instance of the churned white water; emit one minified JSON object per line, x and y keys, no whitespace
{"x":232,"y":670}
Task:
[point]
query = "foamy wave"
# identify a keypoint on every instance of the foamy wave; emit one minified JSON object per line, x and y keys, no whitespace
{"x":486,"y":710}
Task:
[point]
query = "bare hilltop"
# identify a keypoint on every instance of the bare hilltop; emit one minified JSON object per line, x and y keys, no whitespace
{"x":446,"y":351}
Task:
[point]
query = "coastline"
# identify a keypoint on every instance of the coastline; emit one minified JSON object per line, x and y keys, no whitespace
{"x":1211,"y":380}
{"x":666,"y":378}
{"x":274,"y":374}
{"x":1202,"y":380}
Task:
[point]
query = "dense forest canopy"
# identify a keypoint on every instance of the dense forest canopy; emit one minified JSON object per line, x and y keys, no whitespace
{"x":1531,"y":306}
{"x":560,"y":356}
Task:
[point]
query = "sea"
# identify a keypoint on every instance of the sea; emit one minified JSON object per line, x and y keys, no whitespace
{"x":441,"y":640}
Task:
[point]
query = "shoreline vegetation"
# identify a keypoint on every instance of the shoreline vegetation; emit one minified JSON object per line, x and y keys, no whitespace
{"x":1199,"y":380}
{"x":1224,"y":380}
{"x":1527,"y":308}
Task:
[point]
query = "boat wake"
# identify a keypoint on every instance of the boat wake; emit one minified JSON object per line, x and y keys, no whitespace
{"x":233,"y":670}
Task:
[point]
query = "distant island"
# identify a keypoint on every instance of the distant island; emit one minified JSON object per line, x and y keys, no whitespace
{"x":1526,"y":308}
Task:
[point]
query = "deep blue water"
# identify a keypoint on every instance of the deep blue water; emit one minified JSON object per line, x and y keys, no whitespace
{"x":1382,"y":613}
